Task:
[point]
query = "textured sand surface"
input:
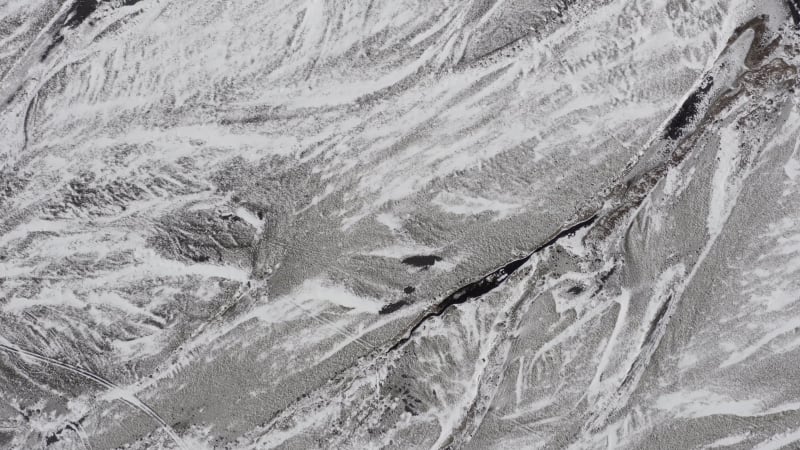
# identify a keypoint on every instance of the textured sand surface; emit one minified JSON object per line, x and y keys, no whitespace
{"x":353,"y":224}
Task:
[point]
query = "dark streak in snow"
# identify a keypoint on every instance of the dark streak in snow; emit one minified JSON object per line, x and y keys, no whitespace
{"x":688,"y":110}
{"x":421,"y":260}
{"x":392,"y":307}
{"x":487,"y":283}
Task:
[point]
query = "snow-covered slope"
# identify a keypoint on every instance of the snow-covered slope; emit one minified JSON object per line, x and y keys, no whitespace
{"x":363,"y":224}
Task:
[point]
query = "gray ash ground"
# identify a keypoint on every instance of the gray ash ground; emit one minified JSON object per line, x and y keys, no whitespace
{"x":441,"y":224}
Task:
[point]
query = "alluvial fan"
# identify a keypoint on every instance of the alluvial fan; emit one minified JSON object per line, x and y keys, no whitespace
{"x":349,"y":224}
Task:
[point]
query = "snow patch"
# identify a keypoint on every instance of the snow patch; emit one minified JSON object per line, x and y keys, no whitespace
{"x":466,"y":206}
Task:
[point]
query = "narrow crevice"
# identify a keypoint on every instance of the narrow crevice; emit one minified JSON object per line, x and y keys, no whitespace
{"x":794,"y":9}
{"x":26,"y":121}
{"x":486,"y":284}
{"x":642,"y":358}
{"x":660,"y":314}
